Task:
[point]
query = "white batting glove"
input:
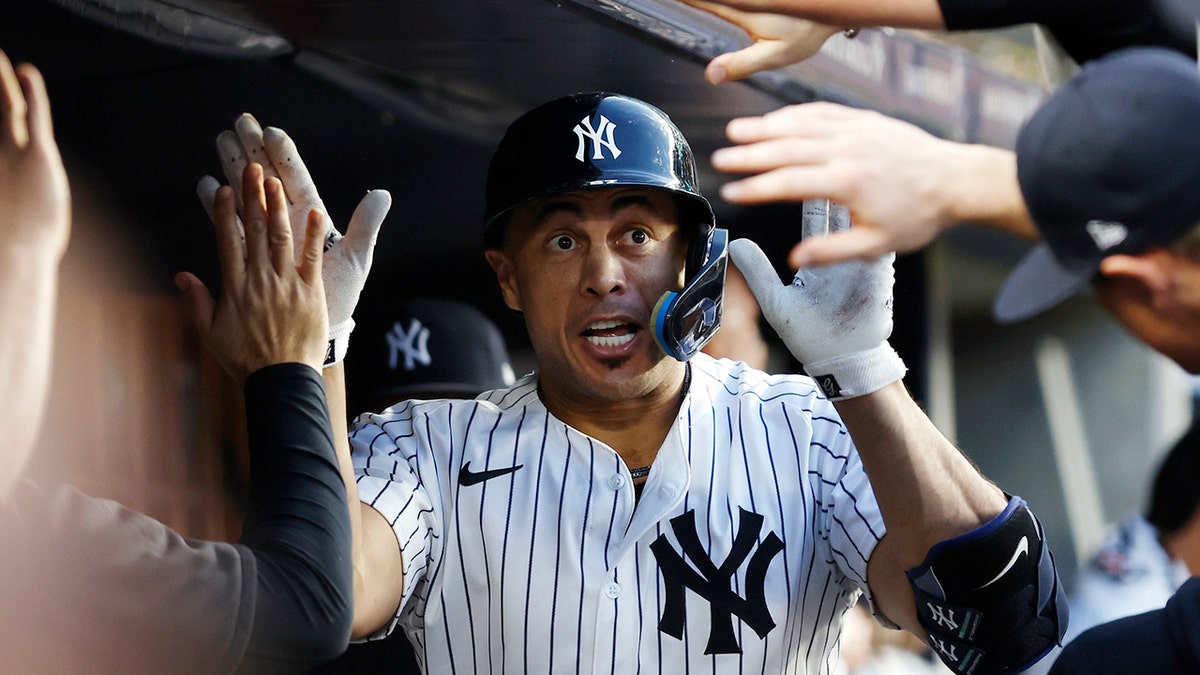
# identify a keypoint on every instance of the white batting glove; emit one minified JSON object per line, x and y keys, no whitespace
{"x":347,"y":258}
{"x":835,"y":319}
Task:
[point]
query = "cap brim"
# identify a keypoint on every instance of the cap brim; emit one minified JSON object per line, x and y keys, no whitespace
{"x":1036,"y":284}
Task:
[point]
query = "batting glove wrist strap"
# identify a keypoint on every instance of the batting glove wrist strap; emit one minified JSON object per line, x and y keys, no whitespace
{"x":857,"y":374}
{"x":339,"y":342}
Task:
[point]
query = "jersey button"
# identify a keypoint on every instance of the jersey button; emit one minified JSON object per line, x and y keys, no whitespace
{"x":616,"y":481}
{"x":612,"y":590}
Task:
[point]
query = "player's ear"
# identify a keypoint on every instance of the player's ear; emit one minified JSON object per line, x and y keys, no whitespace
{"x":1146,"y":270}
{"x":502,"y":265}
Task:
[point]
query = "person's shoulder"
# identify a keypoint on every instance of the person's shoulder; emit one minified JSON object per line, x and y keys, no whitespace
{"x":499,"y":402}
{"x":516,"y":396}
{"x":728,"y":378}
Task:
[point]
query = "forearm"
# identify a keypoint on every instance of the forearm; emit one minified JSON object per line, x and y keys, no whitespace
{"x":924,"y":14}
{"x":926,"y":489}
{"x":378,"y":574}
{"x":980,"y":188}
{"x":28,"y":292}
{"x":296,"y":524}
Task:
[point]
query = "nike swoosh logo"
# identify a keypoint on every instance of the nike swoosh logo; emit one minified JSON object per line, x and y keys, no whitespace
{"x":1022,"y":548}
{"x":468,"y":477}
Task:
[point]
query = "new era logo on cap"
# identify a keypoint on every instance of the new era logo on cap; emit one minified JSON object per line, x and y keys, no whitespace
{"x":1106,"y":233}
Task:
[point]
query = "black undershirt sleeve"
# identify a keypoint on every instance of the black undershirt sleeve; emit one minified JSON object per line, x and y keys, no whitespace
{"x":1086,"y":29}
{"x":297,"y":524}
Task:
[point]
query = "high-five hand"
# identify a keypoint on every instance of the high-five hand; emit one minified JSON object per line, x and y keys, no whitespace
{"x":347,"y":258}
{"x":835,"y":319}
{"x":272,"y":305}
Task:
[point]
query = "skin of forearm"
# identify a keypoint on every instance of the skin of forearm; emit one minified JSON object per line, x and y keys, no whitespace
{"x":378,"y":572}
{"x":982,"y":189}
{"x":335,"y":392}
{"x":924,"y":14}
{"x":28,"y":293}
{"x":928,"y":491}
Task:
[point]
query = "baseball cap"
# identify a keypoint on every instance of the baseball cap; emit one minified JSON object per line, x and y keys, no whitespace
{"x":1109,"y":164}
{"x":424,"y":348}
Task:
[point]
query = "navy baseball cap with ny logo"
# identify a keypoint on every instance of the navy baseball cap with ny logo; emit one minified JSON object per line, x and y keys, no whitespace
{"x":1109,"y":164}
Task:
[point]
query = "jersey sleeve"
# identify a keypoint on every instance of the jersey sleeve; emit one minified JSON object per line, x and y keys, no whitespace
{"x":386,"y":459}
{"x":122,"y":590}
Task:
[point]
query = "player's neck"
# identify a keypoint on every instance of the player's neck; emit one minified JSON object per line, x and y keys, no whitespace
{"x":635,"y":428}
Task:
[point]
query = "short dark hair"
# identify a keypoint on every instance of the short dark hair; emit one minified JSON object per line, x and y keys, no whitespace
{"x":1176,"y":491}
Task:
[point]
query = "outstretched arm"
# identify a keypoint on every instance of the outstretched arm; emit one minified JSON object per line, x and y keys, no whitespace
{"x":268,"y":330}
{"x":902,"y":185}
{"x":925,"y":14}
{"x":378,"y":570}
{"x":789,"y":31}
{"x":35,"y":216}
{"x":941,"y":513}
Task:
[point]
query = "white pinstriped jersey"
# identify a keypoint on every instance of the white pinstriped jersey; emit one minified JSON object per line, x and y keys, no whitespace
{"x":524,"y":552}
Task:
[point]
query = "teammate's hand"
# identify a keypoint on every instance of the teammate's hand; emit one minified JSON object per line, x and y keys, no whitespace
{"x":272,"y":305}
{"x":897,"y":180}
{"x":348,"y":258}
{"x":779,"y":41}
{"x":836,"y":319}
{"x":35,"y":200}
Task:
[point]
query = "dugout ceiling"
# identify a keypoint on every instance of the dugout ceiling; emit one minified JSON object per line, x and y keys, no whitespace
{"x":412,"y":95}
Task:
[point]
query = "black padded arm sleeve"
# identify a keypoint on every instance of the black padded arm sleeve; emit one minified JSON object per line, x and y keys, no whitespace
{"x":297,"y":524}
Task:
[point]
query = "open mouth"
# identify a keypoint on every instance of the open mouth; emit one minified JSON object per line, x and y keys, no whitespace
{"x":610,"y":333}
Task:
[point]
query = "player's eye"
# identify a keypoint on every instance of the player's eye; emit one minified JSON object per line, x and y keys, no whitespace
{"x":637,"y":237}
{"x":563,"y":242}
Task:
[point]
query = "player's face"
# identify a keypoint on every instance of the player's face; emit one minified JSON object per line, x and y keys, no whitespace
{"x":1157,"y":298}
{"x":586,"y":269}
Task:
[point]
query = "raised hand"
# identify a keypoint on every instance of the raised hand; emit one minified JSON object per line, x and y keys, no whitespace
{"x":35,"y":200}
{"x":779,"y":40}
{"x":347,"y":258}
{"x":903,"y":186}
{"x":272,"y":305}
{"x":835,"y":319}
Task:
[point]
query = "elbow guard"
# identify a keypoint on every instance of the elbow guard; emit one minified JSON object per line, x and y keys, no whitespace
{"x":990,"y":599}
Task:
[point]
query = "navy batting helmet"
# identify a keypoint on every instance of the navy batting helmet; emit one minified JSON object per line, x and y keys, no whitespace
{"x":601,"y":140}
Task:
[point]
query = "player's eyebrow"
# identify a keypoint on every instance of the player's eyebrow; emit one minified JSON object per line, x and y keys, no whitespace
{"x":631,"y":201}
{"x":545,"y":211}
{"x":550,"y":208}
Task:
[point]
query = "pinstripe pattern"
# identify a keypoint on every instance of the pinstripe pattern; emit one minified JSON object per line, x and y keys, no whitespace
{"x":549,"y":568}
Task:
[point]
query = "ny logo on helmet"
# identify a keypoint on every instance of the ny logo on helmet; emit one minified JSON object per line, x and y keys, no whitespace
{"x":412,"y":343}
{"x":602,"y":137}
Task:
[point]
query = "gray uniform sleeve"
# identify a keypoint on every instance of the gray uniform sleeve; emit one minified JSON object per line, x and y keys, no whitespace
{"x":87,"y":585}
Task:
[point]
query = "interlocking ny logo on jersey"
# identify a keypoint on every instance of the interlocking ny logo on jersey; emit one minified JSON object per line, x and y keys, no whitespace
{"x":601,"y":137}
{"x":413,"y":343}
{"x":713,"y":583}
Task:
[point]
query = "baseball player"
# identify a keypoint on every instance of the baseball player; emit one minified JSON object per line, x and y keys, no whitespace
{"x":417,"y":348}
{"x":87,"y":585}
{"x":634,"y":504}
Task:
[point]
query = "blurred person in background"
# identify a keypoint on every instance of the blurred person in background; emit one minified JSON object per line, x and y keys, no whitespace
{"x":1147,"y":556}
{"x":87,"y":585}
{"x":1105,"y":172}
